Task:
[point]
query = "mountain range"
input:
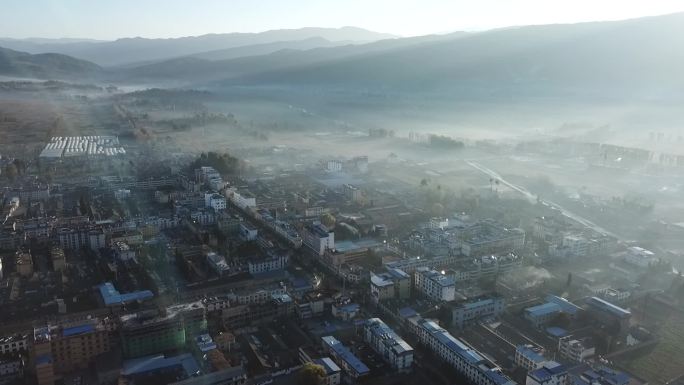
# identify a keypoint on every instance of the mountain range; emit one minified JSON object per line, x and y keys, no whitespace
{"x":127,"y":51}
{"x":639,"y":55}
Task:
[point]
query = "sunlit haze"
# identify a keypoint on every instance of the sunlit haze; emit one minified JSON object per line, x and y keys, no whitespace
{"x":174,"y":18}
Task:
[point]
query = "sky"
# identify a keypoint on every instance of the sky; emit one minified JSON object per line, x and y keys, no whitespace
{"x":111,"y":19}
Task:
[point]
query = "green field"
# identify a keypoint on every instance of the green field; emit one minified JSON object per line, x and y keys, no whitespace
{"x":660,"y":365}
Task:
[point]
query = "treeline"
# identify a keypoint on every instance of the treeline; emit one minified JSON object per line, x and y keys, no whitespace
{"x":223,"y":163}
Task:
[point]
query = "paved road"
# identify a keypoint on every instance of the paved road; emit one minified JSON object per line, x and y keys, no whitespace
{"x":533,"y":198}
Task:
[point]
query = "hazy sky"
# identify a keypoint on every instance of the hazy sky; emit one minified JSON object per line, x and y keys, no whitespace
{"x":109,"y":19}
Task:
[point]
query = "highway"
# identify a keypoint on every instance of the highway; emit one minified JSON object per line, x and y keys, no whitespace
{"x":533,"y":198}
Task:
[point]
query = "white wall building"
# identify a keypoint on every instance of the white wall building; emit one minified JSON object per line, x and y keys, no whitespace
{"x":215,"y":201}
{"x":271,"y":262}
{"x":575,"y":350}
{"x":12,"y":344}
{"x":388,"y":344}
{"x":550,"y":373}
{"x":471,"y":311}
{"x":435,"y":285}
{"x":318,"y":238}
{"x":334,"y":165}
{"x":641,"y":257}
{"x":466,"y":360}
{"x":217,"y":263}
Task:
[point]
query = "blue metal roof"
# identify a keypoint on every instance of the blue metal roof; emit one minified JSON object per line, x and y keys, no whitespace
{"x":543,"y":309}
{"x":329,"y":365}
{"x":606,"y":306}
{"x":346,"y":355}
{"x":153,"y":363}
{"x":406,"y":312}
{"x":111,"y":296}
{"x":468,"y":354}
{"x":530,"y":354}
{"x":556,"y":331}
{"x":548,"y":371}
{"x":566,"y":306}
{"x":80,"y":329}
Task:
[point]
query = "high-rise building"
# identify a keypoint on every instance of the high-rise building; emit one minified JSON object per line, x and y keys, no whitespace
{"x":152,"y":331}
{"x":60,"y":349}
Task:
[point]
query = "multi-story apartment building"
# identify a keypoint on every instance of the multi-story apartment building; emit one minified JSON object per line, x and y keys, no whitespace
{"x":550,"y":373}
{"x":151,"y":331}
{"x":318,"y":238}
{"x":74,"y":238}
{"x":473,"y":310}
{"x":14,"y":343}
{"x":528,"y":357}
{"x":575,"y":350}
{"x":464,"y":359}
{"x":394,"y":283}
{"x":435,"y":285}
{"x":270,"y":262}
{"x":60,"y":349}
{"x":388,"y":344}
{"x":353,"y":367}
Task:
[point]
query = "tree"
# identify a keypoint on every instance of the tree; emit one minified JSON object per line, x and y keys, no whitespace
{"x":328,"y":220}
{"x":311,"y":374}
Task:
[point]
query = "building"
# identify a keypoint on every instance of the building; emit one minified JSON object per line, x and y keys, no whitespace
{"x":541,"y":315}
{"x":318,"y":238}
{"x":353,"y":193}
{"x":60,"y":349}
{"x":488,"y":237}
{"x":602,"y":375}
{"x":24,"y":263}
{"x":159,"y":368}
{"x":122,"y":251}
{"x":334,"y":165}
{"x":528,"y":357}
{"x":435,"y":285}
{"x":58,"y":259}
{"x":151,"y":332}
{"x":464,"y":359}
{"x":345,"y":311}
{"x":11,"y":368}
{"x":394,"y":283}
{"x":566,"y":306}
{"x":473,"y":310}
{"x":638,"y":256}
{"x":14,"y":343}
{"x":122,"y":194}
{"x":550,"y":373}
{"x":81,"y":237}
{"x":388,"y":344}
{"x":230,"y":376}
{"x":352,"y":365}
{"x":615,"y":295}
{"x":278,"y":306}
{"x":411,"y":264}
{"x":217,"y":263}
{"x":242,"y":200}
{"x":576,"y":350}
{"x":333,"y":373}
{"x":112,"y":297}
{"x":272,"y":261}
{"x":248,"y":232}
{"x":215,"y":201}
{"x":609,"y":314}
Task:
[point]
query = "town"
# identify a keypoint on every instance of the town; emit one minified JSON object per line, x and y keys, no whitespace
{"x":215,"y":271}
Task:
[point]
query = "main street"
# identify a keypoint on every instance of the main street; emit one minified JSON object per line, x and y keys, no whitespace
{"x":534,"y":198}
